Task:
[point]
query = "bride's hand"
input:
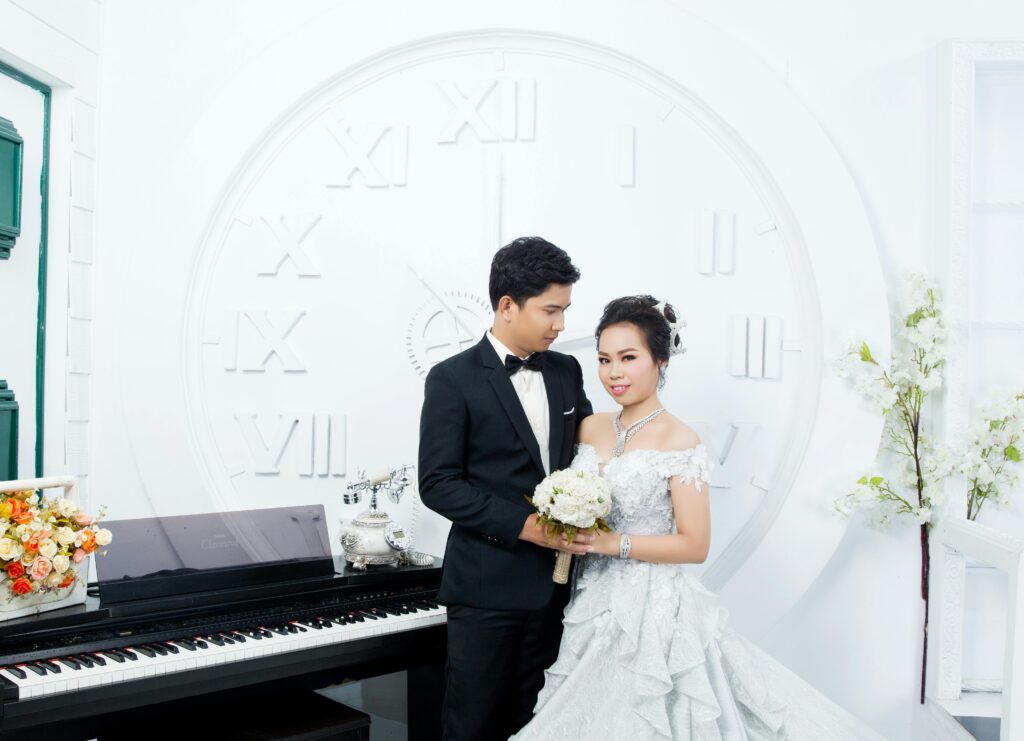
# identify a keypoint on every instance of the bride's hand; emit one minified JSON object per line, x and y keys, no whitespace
{"x":607,"y":544}
{"x":534,"y":533}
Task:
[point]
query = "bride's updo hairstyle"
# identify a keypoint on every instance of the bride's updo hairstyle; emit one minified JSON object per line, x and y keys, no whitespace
{"x":656,"y":321}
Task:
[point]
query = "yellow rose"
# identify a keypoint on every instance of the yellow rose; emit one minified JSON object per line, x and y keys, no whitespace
{"x":61,"y":563}
{"x":65,"y":536}
{"x":9,"y":549}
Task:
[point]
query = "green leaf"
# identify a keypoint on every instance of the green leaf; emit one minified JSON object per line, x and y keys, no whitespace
{"x":865,"y":353}
{"x":914,"y":319}
{"x":876,"y":480}
{"x":862,"y":480}
{"x":1012,"y":454}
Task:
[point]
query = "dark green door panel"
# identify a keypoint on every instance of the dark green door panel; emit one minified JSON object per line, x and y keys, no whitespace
{"x":10,"y":186}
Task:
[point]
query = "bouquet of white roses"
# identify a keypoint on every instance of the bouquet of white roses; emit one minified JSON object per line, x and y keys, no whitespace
{"x":569,"y":502}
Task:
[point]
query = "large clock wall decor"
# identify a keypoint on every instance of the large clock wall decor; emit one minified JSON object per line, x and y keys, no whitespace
{"x":348,"y":211}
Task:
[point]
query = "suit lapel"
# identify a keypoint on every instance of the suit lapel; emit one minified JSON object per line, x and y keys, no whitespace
{"x":553,"y":388}
{"x":506,"y":392}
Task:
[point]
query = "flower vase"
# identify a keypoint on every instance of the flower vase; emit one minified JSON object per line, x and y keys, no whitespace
{"x":37,"y":602}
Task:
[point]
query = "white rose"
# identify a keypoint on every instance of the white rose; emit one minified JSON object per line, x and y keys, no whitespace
{"x":67,"y":507}
{"x":103,"y":536}
{"x":47,"y":548}
{"x":61,"y":563}
{"x":9,"y":549}
{"x":65,"y":536}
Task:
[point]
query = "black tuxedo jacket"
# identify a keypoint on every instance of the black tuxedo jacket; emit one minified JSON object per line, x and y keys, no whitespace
{"x":479,"y":459}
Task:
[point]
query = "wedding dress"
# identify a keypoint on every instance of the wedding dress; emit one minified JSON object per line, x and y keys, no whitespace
{"x":647,"y":651}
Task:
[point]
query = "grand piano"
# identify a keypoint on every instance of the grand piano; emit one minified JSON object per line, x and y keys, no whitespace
{"x":215,"y":605}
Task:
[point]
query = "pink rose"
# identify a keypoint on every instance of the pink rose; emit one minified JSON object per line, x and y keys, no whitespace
{"x":82,"y":519}
{"x":41,"y":568}
{"x":79,"y":556}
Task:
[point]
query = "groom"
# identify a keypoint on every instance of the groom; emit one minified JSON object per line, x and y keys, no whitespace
{"x":496,"y":419}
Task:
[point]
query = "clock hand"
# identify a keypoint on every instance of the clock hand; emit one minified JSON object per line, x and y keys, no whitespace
{"x":441,"y":301}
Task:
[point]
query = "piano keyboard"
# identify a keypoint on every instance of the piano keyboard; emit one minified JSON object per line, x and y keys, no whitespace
{"x":75,"y":672}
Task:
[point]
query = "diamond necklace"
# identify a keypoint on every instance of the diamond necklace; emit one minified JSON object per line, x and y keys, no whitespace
{"x":624,"y":434}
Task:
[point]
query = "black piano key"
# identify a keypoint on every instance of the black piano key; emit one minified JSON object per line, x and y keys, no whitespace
{"x":50,"y":666}
{"x":368,"y":614}
{"x":36,"y":668}
{"x":214,"y":639}
{"x":15,"y":672}
{"x":238,"y":637}
{"x":159,"y":648}
{"x":87,"y":660}
{"x":115,"y":656}
{"x":201,"y":643}
{"x":169,"y":645}
{"x":146,"y":651}
{"x":98,"y":659}
{"x":186,"y":644}
{"x":70,"y":662}
{"x":227,"y":638}
{"x":279,"y":629}
{"x":128,"y":653}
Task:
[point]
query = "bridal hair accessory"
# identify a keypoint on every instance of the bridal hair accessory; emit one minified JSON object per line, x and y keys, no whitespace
{"x":675,"y":343}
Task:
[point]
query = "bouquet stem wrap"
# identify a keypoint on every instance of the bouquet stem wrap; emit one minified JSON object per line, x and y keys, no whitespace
{"x":569,"y":502}
{"x":563,"y":564}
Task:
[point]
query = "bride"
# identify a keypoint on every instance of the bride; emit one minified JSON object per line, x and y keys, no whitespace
{"x":647,"y":652}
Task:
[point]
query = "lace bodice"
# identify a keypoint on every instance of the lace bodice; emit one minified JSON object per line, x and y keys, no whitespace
{"x":639,"y":480}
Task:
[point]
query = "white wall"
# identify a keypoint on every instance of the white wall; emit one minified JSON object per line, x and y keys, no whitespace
{"x":866,"y":71}
{"x":58,"y":44}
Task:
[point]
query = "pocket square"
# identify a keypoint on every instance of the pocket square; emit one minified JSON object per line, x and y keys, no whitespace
{"x":566,"y":414}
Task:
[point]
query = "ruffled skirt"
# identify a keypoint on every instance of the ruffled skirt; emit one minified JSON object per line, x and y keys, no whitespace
{"x":647,"y":654}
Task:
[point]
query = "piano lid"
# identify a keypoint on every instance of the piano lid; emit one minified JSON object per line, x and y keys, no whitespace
{"x":162,"y":556}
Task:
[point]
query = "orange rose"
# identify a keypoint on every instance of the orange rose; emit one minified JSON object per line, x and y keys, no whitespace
{"x":24,"y":518}
{"x":88,"y":541}
{"x":68,"y":581}
{"x":21,"y":586}
{"x":17,"y":507}
{"x":14,"y":570}
{"x":32,"y":544}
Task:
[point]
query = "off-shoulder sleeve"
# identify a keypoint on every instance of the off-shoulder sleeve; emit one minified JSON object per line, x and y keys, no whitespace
{"x":692,"y":466}
{"x":586,"y":459}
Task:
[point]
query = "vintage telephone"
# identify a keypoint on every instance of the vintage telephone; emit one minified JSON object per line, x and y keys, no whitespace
{"x":373,"y":538}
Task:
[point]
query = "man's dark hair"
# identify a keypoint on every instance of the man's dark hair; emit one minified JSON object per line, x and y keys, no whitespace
{"x":525,"y":267}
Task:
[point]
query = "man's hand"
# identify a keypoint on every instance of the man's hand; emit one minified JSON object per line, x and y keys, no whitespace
{"x":534,"y":533}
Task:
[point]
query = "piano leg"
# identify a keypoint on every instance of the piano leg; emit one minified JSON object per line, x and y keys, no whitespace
{"x":424,"y":698}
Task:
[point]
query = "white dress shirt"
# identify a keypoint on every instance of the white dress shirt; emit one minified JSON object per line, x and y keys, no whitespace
{"x":529,"y":386}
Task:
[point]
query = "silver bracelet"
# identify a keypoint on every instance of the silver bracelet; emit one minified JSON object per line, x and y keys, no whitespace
{"x":624,"y":546}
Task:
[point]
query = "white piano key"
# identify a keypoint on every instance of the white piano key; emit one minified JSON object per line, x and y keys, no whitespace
{"x":144,"y":667}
